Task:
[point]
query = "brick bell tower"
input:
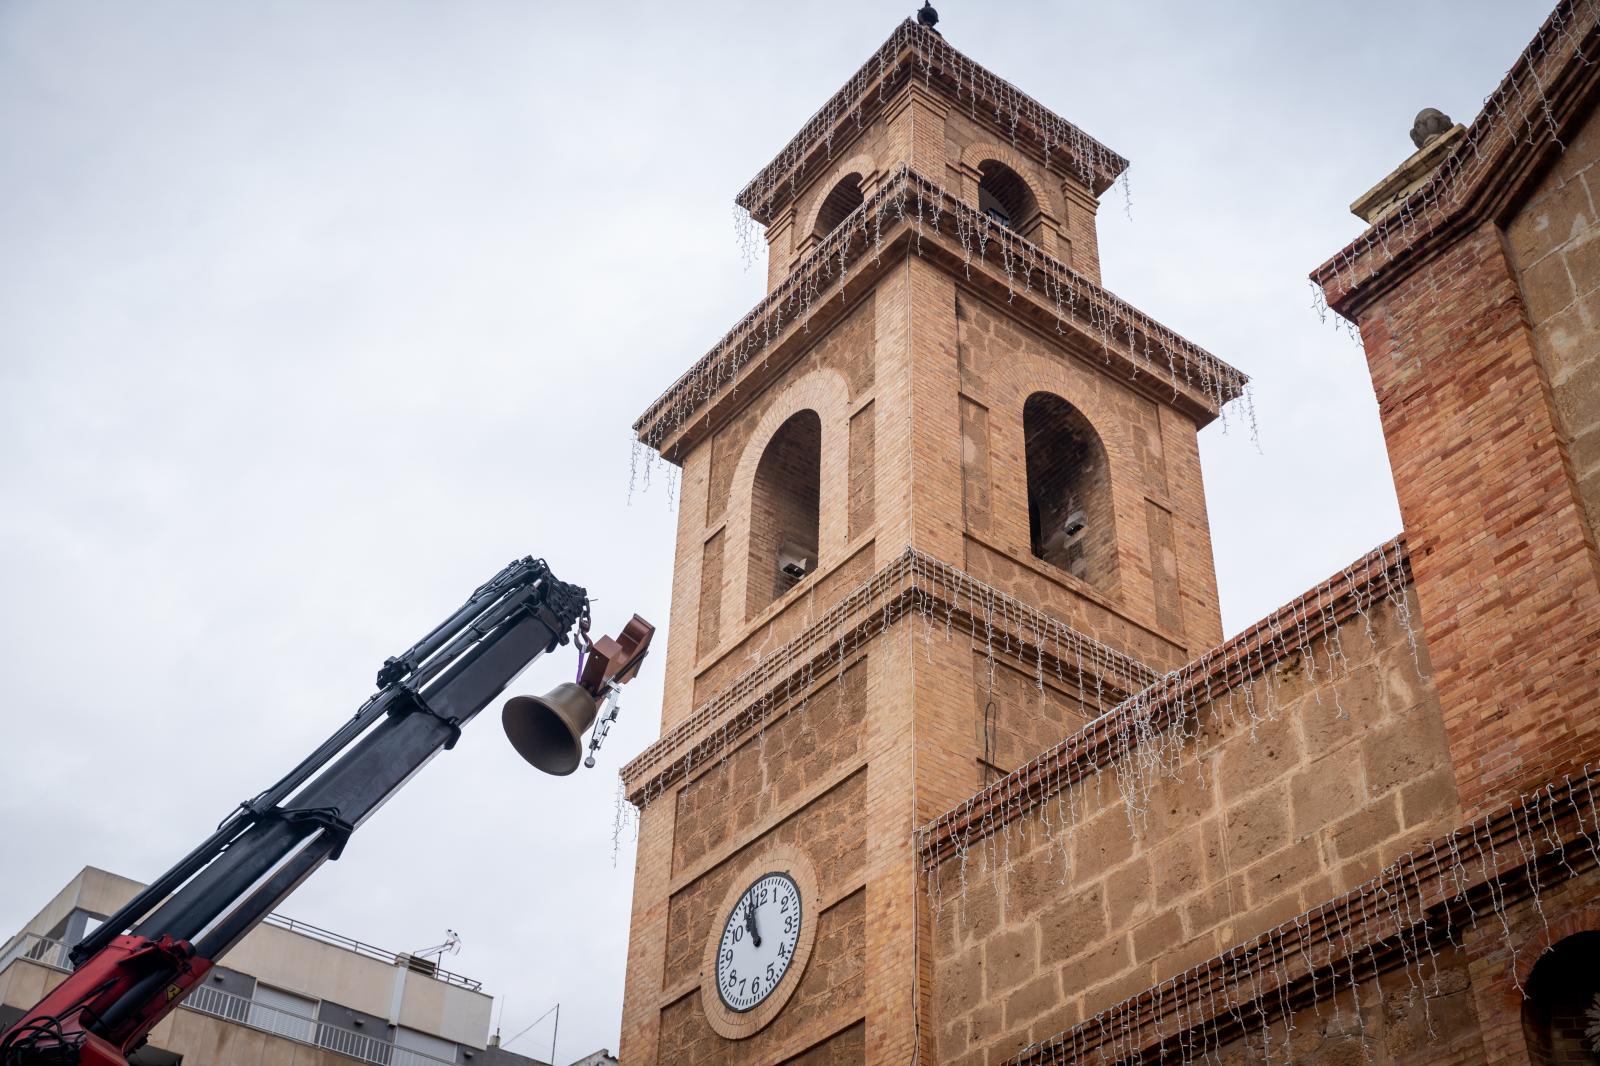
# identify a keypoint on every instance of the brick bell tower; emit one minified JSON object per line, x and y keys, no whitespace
{"x":941,"y":503}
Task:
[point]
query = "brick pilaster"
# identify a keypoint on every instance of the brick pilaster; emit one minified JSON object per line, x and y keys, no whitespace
{"x":1505,"y":578}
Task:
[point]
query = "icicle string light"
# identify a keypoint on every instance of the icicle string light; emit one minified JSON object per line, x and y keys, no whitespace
{"x":911,"y":210}
{"x":914,"y":584}
{"x":1392,"y":925}
{"x":914,"y":52}
{"x":1146,"y":737}
{"x":1527,"y":108}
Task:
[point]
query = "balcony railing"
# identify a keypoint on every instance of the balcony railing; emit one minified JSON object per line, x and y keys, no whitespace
{"x":51,"y":953}
{"x":242,"y":1011}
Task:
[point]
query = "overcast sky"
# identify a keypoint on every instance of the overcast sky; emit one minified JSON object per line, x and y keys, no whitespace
{"x":313,"y":315}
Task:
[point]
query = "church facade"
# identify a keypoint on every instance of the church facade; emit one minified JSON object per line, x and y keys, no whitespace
{"x":956,"y":766}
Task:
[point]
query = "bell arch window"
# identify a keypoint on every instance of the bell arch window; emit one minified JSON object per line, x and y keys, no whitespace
{"x":842,"y":199}
{"x":785,"y":501}
{"x":1562,"y":1002}
{"x":1070,"y":520}
{"x":1005,"y":197}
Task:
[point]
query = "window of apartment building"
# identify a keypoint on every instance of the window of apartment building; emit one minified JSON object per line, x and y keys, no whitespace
{"x":282,"y":1013}
{"x":784,"y":506}
{"x":1069,"y":490}
{"x":413,"y":1048}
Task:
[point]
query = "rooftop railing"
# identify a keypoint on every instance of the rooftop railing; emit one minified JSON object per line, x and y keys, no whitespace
{"x":393,"y":958}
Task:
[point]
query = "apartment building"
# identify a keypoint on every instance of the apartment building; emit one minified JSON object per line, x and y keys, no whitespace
{"x":291,"y":994}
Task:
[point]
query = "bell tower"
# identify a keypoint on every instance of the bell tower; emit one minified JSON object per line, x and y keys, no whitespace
{"x":938,"y":470}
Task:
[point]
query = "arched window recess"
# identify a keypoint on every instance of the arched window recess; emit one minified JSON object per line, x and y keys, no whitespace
{"x":785,"y":501}
{"x":841,"y":201}
{"x":1071,"y":523}
{"x":1005,"y":198}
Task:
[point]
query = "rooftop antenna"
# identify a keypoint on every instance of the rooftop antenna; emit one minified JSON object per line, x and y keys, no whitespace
{"x":451,"y":946}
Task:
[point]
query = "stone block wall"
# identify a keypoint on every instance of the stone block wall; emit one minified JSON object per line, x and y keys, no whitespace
{"x":1386,"y":1022}
{"x":1554,"y":243}
{"x":1291,"y":793}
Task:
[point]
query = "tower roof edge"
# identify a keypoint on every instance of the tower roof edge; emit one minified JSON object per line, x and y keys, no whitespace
{"x":911,"y":51}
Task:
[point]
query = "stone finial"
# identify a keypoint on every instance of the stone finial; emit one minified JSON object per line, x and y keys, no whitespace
{"x":927,"y":15}
{"x":1431,"y":124}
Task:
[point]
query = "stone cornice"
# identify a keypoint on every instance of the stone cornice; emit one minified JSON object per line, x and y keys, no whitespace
{"x":1550,"y":87}
{"x":914,"y":52}
{"x":916,"y":584}
{"x":1414,"y":907}
{"x":1285,"y":633}
{"x":909,"y":213}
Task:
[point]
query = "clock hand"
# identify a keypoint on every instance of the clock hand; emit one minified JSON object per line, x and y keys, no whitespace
{"x":750,"y":923}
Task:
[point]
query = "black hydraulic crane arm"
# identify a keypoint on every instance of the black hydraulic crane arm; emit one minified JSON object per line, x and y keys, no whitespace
{"x":138,"y":965}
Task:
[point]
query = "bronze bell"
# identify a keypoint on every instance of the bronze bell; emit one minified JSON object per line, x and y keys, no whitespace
{"x":548,"y":730}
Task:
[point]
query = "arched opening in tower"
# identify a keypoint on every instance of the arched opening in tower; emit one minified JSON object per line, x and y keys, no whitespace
{"x":842,"y":199}
{"x":1561,"y":1007}
{"x":784,"y":507}
{"x":1070,"y":519}
{"x":1005,"y":197}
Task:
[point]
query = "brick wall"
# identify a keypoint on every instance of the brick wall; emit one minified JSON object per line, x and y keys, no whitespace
{"x":828,"y":996}
{"x":1498,"y":544}
{"x":1505,"y":958}
{"x":710,"y":594}
{"x":846,"y":348}
{"x":1162,"y":604}
{"x":863,"y":435}
{"x":812,"y":598}
{"x":739,"y":795}
{"x":1048,"y":925}
{"x":1023,"y":714}
{"x":823,"y":829}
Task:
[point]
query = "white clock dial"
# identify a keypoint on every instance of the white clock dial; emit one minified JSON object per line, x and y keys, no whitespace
{"x":758,"y":941}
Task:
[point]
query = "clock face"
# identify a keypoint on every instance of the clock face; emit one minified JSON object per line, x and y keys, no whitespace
{"x":758,"y":941}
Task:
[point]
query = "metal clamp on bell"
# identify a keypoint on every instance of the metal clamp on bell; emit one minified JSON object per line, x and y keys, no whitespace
{"x":548,"y":730}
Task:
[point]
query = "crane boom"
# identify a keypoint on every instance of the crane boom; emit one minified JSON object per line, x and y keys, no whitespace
{"x":138,"y":966}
